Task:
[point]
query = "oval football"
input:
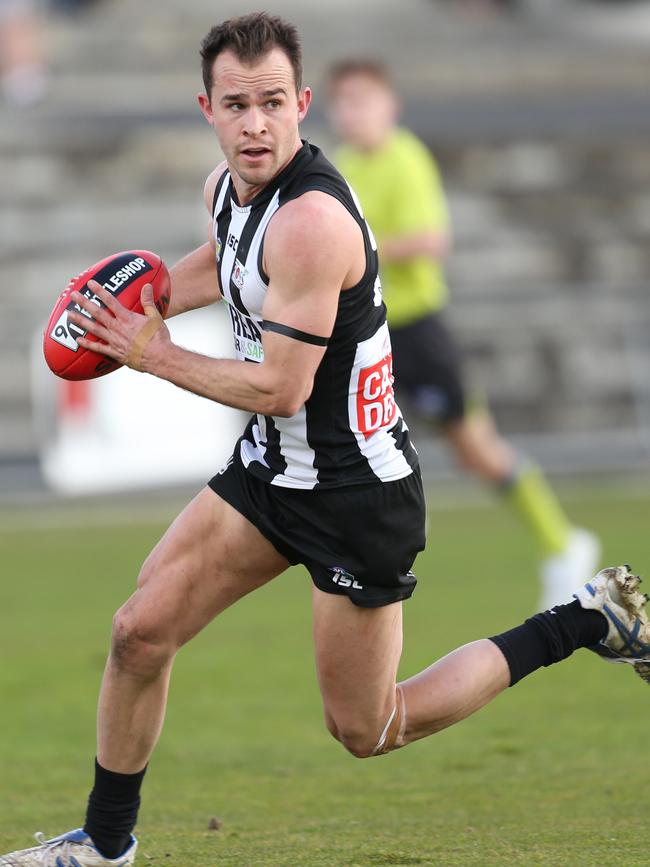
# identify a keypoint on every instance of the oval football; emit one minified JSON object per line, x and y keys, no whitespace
{"x":123,"y":275}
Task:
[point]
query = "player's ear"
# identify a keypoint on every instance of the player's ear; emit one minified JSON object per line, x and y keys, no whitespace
{"x":304,"y":101}
{"x":206,"y":107}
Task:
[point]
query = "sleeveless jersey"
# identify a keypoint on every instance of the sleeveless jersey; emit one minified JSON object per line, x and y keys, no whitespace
{"x":350,"y":431}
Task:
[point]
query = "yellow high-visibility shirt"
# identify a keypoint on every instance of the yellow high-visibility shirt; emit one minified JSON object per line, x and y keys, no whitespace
{"x":401,"y":193}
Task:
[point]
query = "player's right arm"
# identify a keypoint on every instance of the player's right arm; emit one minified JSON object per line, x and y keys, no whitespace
{"x":313,"y":249}
{"x":194,"y":277}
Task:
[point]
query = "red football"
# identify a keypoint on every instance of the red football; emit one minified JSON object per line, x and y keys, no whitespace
{"x":122,"y":274}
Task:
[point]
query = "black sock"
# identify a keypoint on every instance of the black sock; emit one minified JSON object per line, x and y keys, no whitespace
{"x":550,"y":637}
{"x":113,"y":810}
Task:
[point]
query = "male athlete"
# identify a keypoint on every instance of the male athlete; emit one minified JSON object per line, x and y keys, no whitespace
{"x":398,"y":184}
{"x":324,"y":475}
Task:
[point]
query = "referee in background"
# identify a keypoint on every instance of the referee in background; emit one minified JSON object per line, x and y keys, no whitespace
{"x":398,"y":183}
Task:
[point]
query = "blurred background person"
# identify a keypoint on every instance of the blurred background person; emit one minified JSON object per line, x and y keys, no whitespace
{"x":22,"y":63}
{"x":398,"y":183}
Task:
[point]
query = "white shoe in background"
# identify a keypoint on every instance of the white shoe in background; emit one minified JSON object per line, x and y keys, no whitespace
{"x":562,"y":574}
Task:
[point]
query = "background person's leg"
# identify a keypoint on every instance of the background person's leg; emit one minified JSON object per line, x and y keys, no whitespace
{"x":570,"y":555}
{"x":480,"y":449}
{"x":429,"y":374}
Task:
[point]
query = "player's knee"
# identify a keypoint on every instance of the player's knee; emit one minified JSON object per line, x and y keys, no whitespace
{"x":137,"y":648}
{"x":366,"y":738}
{"x":330,"y":724}
{"x":354,"y":738}
{"x":358,"y":741}
{"x":355,"y":741}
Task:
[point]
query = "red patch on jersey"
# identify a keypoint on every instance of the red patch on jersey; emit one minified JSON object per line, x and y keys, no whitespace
{"x":376,"y":407}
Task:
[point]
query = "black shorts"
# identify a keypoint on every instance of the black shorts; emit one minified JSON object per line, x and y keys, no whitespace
{"x":359,"y":541}
{"x":428,"y":369}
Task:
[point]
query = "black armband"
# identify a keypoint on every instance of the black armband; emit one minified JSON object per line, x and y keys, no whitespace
{"x":279,"y":328}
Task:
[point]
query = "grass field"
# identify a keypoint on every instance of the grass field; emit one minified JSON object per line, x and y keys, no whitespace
{"x":553,"y":772}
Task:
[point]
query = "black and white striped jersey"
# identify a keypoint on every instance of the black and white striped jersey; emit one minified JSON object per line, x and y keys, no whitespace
{"x":350,"y":431}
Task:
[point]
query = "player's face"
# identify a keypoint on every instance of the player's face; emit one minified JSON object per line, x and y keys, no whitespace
{"x":255,"y":111}
{"x":363,"y":111}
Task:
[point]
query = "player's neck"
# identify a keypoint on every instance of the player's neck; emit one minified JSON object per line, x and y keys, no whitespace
{"x":246,"y":192}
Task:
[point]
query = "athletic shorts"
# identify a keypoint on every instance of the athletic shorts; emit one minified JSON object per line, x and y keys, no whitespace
{"x":428,"y":369}
{"x":359,"y":541}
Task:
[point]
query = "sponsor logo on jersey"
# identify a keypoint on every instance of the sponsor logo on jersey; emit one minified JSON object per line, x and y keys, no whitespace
{"x":376,"y":407}
{"x":239,"y":274}
{"x":247,"y":336}
{"x":344,"y":579}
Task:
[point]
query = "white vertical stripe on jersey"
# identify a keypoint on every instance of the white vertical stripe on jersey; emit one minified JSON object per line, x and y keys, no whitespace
{"x":295,"y":449}
{"x":220,"y":200}
{"x":384,"y":458}
{"x":254,"y":248}
{"x":229,"y":252}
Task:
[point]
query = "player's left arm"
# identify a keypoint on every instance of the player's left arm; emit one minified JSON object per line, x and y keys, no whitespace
{"x":310,"y":250}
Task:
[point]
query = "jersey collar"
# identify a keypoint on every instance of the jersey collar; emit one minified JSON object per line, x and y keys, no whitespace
{"x":303,"y":156}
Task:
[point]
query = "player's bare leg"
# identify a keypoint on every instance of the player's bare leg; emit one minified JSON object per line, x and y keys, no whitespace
{"x":358,"y":650}
{"x":209,"y":558}
{"x":357,"y":655}
{"x":453,"y":688}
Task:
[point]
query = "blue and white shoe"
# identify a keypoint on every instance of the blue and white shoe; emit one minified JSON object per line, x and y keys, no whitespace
{"x":614,"y":592}
{"x":74,"y":849}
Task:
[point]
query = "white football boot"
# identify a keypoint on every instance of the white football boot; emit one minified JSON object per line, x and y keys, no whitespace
{"x":614,"y":592}
{"x":561,"y":574}
{"x":74,"y":849}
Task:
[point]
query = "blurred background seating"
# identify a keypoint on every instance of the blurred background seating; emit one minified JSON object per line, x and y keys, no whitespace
{"x":540,"y":123}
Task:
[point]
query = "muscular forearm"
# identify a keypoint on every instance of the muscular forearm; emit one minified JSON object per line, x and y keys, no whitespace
{"x":398,"y":248}
{"x":194,"y":281}
{"x":242,"y":385}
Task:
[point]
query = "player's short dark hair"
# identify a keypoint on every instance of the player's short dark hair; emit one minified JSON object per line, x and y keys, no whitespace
{"x":365,"y":66}
{"x":250,"y":37}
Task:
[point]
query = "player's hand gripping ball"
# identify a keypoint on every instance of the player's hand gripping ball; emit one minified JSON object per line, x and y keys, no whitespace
{"x":123,"y":275}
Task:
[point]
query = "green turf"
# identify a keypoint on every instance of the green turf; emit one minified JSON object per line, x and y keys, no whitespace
{"x":553,"y":772}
